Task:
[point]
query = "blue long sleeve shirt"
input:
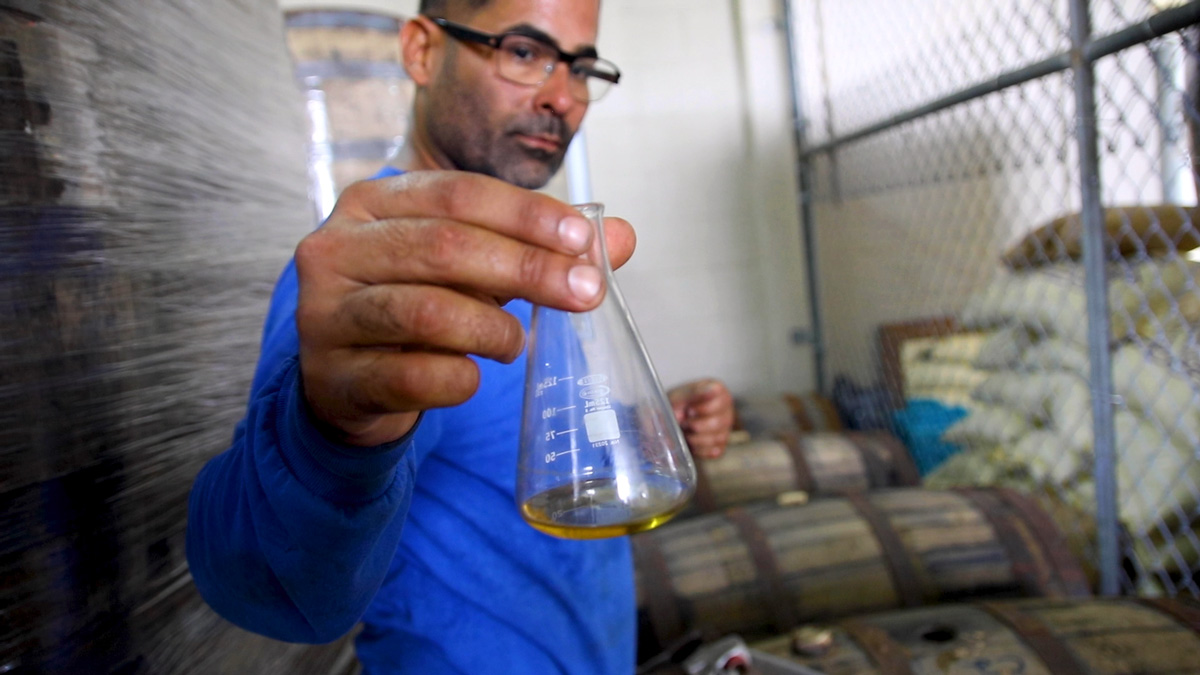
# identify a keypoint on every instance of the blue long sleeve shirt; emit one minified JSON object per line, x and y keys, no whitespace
{"x":299,"y":538}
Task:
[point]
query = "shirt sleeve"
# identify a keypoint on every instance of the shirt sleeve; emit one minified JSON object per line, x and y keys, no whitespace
{"x":290,"y":534}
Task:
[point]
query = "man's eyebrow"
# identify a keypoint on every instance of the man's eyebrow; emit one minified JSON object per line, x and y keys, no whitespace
{"x":541,"y":36}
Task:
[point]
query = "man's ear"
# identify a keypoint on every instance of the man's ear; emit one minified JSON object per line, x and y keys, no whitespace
{"x":421,"y":48}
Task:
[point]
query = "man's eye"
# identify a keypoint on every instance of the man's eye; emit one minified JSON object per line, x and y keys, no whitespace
{"x":523,"y":51}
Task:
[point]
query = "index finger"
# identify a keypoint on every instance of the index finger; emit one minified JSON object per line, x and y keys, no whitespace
{"x":470,"y":198}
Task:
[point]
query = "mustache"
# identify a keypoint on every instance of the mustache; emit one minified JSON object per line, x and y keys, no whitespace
{"x":548,"y":125}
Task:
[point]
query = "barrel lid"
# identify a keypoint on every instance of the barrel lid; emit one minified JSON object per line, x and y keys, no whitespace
{"x":792,"y":498}
{"x":811,"y":640}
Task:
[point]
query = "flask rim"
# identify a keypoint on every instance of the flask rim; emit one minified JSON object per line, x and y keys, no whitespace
{"x":598,"y":253}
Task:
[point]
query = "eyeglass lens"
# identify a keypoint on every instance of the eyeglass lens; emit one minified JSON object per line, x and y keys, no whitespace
{"x":527,"y":61}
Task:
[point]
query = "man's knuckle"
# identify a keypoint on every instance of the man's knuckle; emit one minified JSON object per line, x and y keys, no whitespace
{"x":355,"y":193}
{"x":531,"y":266}
{"x":533,"y":209}
{"x":371,"y":312}
{"x":462,"y":379}
{"x":450,"y":191}
{"x":444,"y":246}
{"x":505,"y":337}
{"x":312,"y":251}
{"x":447,"y":378}
{"x":424,"y":314}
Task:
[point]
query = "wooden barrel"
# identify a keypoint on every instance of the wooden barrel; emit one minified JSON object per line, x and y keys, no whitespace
{"x":1102,"y":636}
{"x":762,"y":569}
{"x":764,"y":415}
{"x":820,"y":463}
{"x":358,"y":95}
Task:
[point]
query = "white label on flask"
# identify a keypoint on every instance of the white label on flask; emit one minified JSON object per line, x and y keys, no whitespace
{"x":602,"y":426}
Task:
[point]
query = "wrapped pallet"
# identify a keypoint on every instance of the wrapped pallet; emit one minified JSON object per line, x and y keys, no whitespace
{"x":154,"y":186}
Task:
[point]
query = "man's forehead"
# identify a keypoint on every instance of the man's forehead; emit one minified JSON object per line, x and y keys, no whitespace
{"x":571,"y":24}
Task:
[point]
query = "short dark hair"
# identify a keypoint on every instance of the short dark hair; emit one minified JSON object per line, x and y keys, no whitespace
{"x":440,"y":7}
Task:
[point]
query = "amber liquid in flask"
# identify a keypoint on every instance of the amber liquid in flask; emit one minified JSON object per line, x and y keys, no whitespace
{"x":601,"y":454}
{"x":594,"y":509}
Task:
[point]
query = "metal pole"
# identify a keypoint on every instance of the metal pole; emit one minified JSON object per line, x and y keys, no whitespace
{"x":1096,"y":285}
{"x":1172,"y":162}
{"x":835,"y":176}
{"x":804,"y":183}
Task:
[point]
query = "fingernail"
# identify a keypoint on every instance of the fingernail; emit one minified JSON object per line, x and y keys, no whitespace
{"x":574,"y":232}
{"x":584,"y":281}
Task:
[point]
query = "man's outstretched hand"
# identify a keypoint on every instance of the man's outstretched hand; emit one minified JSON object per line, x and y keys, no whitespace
{"x":407,"y":278}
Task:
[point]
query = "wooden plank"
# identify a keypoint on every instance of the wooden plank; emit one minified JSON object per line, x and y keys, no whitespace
{"x":1029,"y":566}
{"x":1143,"y":653}
{"x":891,"y":657}
{"x":896,"y":455}
{"x":796,"y":449}
{"x":1187,"y":614}
{"x":834,"y":592}
{"x":658,"y":591}
{"x":892,"y":336}
{"x":903,"y":574}
{"x":770,"y":585}
{"x":1039,"y":637}
{"x":1065,"y":566}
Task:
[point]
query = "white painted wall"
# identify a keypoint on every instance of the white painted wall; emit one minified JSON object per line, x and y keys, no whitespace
{"x":694,"y":148}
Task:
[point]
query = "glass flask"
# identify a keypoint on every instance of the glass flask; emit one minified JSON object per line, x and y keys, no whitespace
{"x":601,"y":454}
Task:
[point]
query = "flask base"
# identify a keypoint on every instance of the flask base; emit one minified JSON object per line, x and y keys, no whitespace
{"x":592,"y":510}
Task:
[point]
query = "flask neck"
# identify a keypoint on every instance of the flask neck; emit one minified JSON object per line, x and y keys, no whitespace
{"x":598,"y":254}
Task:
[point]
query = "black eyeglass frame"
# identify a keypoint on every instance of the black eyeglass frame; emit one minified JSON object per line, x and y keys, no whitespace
{"x":461,"y":32}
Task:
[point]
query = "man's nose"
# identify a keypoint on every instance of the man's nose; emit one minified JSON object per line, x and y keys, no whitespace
{"x":555,"y":93}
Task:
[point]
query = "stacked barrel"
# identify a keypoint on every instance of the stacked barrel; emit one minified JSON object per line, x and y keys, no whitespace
{"x":1033,"y":636}
{"x":802,"y":523}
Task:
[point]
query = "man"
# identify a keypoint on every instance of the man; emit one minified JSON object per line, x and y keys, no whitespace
{"x":373,"y":475}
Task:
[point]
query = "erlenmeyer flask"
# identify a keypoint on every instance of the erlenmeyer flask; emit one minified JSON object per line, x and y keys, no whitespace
{"x":601,"y":453}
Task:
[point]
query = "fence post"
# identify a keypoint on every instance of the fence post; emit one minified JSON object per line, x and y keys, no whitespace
{"x":805,"y":188}
{"x":1096,"y":286}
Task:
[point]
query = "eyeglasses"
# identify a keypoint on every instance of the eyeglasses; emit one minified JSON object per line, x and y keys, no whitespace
{"x":530,"y":59}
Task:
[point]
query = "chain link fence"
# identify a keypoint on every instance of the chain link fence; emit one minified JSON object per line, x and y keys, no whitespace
{"x":1002,"y":198}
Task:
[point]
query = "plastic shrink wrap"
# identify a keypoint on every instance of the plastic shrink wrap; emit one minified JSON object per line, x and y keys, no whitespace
{"x":153,"y":185}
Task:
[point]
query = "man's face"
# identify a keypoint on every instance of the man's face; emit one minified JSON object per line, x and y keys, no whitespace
{"x":486,"y":124}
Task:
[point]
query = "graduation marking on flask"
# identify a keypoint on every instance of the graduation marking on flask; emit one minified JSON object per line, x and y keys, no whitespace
{"x":599,"y":420}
